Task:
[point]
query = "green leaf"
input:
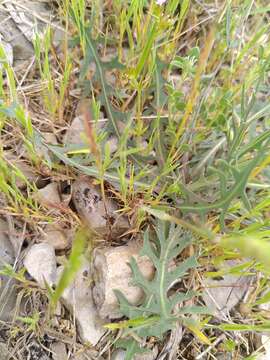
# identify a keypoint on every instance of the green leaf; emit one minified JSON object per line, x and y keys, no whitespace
{"x":254,"y":244}
{"x":132,"y":348}
{"x":195,"y":327}
{"x":227,"y":195}
{"x":92,"y":170}
{"x":245,"y":327}
{"x":264,"y":299}
{"x":157,"y":313}
{"x":106,"y":89}
{"x":72,"y":266}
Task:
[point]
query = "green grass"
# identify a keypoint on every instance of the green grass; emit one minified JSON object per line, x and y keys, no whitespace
{"x":188,"y":105}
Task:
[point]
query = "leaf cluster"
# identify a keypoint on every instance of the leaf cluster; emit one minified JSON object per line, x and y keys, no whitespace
{"x":160,"y":309}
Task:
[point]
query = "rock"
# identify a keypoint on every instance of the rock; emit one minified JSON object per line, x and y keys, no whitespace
{"x":56,"y":237}
{"x":75,"y":134}
{"x":22,"y":48}
{"x":8,"y":52}
{"x":119,"y":354}
{"x":111,"y":271}
{"x":84,"y":104}
{"x":149,"y":355}
{"x":88,"y":201}
{"x":49,"y":195}
{"x":8,"y":293}
{"x":16,"y":232}
{"x":41,"y":150}
{"x":20,"y":21}
{"x":110,"y":78}
{"x":226,"y":356}
{"x":113,"y":144}
{"x":4,"y":353}
{"x":222,"y":295}
{"x":40,"y":262}
{"x":78,"y":300}
{"x":59,"y":351}
{"x":58,"y":36}
{"x":27,"y":15}
{"x":26,"y":170}
{"x":6,"y":249}
{"x":87,"y":355}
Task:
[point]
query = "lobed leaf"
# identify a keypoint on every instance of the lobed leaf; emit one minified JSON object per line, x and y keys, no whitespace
{"x":159,"y":310}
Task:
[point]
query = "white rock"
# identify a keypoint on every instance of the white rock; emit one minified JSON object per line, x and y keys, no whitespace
{"x":110,"y":78}
{"x":86,"y":354}
{"x":56,"y":237}
{"x":22,"y":49}
{"x":40,"y":262}
{"x":49,"y":195}
{"x":113,"y":144}
{"x":119,"y":354}
{"x":21,"y":21}
{"x":102,"y":217}
{"x":111,"y":271}
{"x":8,"y":52}
{"x":26,"y":170}
{"x":78,"y":299}
{"x":41,"y":149}
{"x":149,"y":355}
{"x":6,"y":249}
{"x":4,"y":352}
{"x":59,"y":351}
{"x":75,"y":134}
{"x":222,"y":295}
{"x":7,"y":290}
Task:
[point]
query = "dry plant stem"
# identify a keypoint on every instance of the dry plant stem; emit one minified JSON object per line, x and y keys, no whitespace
{"x":95,"y":151}
{"x":207,"y":350}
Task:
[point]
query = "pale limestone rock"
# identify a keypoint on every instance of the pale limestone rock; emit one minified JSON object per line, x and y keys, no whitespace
{"x":56,"y":237}
{"x":78,"y":299}
{"x":20,"y":21}
{"x":41,"y":150}
{"x":111,"y":271}
{"x":40,"y":262}
{"x":222,"y":295}
{"x":49,"y":195}
{"x":76,"y":135}
{"x":59,"y":351}
{"x":4,"y":353}
{"x":27,"y":171}
{"x":7,"y":285}
{"x":149,"y":355}
{"x":8,"y":52}
{"x":101,"y":217}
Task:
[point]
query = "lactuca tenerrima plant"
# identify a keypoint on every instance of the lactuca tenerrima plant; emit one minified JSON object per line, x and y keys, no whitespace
{"x":160,"y":310}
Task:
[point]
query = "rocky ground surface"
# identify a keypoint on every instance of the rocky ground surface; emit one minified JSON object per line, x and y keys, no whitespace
{"x":33,"y":258}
